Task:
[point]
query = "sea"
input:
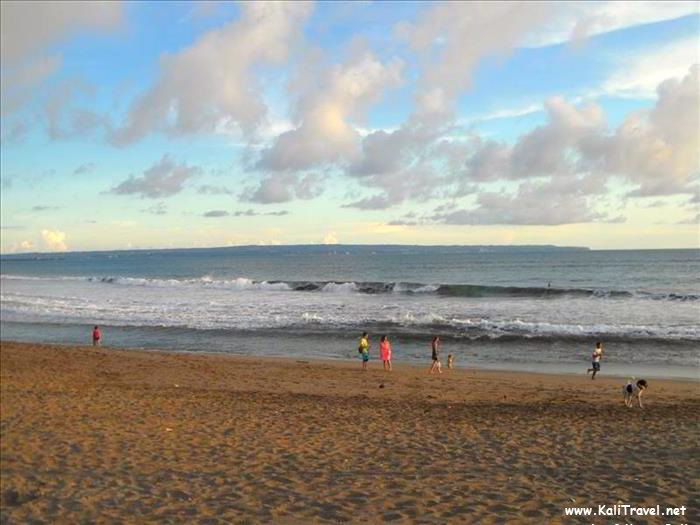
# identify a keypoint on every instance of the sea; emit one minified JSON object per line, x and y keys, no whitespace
{"x":528,"y":308}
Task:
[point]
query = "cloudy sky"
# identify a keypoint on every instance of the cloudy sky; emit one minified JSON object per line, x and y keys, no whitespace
{"x":146,"y":125}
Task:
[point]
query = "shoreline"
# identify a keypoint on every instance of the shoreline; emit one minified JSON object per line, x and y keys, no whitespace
{"x":100,"y":435}
{"x":573,"y":369}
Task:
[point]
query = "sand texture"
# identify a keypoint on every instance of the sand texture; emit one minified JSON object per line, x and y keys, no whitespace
{"x":113,"y":436}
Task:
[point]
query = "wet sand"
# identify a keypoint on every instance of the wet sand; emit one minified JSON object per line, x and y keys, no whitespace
{"x":115,"y":436}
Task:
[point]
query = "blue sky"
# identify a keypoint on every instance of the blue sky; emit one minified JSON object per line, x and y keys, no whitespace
{"x":178,"y":124}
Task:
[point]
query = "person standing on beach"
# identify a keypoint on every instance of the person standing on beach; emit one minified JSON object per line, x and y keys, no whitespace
{"x":96,"y":336}
{"x":385,"y":352}
{"x":364,"y":350}
{"x":436,"y":356}
{"x":597,"y":356}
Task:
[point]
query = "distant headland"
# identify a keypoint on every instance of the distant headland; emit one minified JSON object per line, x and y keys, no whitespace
{"x":323,"y":249}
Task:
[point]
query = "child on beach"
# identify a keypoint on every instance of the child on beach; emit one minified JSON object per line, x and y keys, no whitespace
{"x":596,"y":357}
{"x":385,"y":352}
{"x":96,"y":336}
{"x":436,"y":356}
{"x":364,"y":350}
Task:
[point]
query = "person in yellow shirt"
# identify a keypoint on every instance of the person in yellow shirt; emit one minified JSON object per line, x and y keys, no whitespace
{"x":364,"y":350}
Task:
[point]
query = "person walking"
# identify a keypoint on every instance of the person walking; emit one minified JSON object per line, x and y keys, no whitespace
{"x":436,"y":356}
{"x":385,"y":353}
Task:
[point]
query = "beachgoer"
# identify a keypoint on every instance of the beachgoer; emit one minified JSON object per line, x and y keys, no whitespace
{"x":385,"y":352}
{"x":96,"y":336}
{"x":436,"y":356}
{"x":596,"y":357}
{"x":364,"y":350}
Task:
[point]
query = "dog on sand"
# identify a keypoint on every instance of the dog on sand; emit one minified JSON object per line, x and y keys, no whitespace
{"x":634,"y":389}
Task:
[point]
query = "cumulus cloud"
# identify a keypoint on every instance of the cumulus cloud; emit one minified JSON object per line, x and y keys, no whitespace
{"x":208,"y":189}
{"x":83,"y":169}
{"x":579,"y":20}
{"x":211,"y":83}
{"x":216,"y":214}
{"x":16,"y":84}
{"x":164,"y":179}
{"x":544,"y":151}
{"x":655,"y":149}
{"x":54,"y":240}
{"x":283,"y":187}
{"x":574,"y":153}
{"x":29,"y":29}
{"x":454,"y":36}
{"x":639,"y":74}
{"x":324,"y":132}
{"x":330,"y":238}
{"x":551,"y":203}
{"x":157,"y":209}
{"x":419,"y":182}
{"x":252,"y":213}
{"x":22,"y":246}
{"x":412,"y":162}
{"x":244,"y":213}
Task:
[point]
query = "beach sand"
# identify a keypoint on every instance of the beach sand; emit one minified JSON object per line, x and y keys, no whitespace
{"x":100,"y":435}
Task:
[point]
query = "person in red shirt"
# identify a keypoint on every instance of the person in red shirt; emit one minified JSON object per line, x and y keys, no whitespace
{"x":96,"y":336}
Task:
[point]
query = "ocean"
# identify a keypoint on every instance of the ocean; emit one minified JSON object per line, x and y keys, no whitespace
{"x":519,"y":308}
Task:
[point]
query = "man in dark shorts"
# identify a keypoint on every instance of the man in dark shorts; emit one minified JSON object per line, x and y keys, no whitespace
{"x":595,"y":360}
{"x":436,"y":356}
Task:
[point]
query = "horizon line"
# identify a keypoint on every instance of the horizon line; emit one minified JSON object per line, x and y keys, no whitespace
{"x":319,"y":245}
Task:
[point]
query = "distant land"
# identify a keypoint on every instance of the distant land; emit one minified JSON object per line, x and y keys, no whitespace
{"x":320,"y":249}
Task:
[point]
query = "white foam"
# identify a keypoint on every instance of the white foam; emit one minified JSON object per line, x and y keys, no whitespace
{"x":339,"y":288}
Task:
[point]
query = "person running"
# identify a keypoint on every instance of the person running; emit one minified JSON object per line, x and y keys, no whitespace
{"x":385,"y":353}
{"x":364,"y":350}
{"x":596,"y":357}
{"x":436,"y":356}
{"x":96,"y":336}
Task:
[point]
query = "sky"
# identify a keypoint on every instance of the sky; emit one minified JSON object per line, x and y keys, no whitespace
{"x":129,"y":125}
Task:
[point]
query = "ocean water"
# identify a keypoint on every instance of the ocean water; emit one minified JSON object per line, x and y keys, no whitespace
{"x":535,"y":308}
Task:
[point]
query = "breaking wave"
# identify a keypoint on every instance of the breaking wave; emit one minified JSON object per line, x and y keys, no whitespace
{"x":372,"y":287}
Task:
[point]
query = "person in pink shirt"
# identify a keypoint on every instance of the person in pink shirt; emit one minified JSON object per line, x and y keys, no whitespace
{"x":385,"y":352}
{"x":96,"y":336}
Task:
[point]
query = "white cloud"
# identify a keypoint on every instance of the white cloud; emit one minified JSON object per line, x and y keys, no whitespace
{"x":54,"y":240}
{"x":327,"y":111}
{"x":283,"y":187}
{"x":552,"y":203}
{"x":330,"y":238}
{"x":453,"y":37}
{"x":577,"y":20}
{"x":164,"y":179}
{"x":638,"y":74}
{"x":212,"y":82}
{"x":29,"y":29}
{"x":656,"y":149}
{"x":565,"y":165}
{"x":16,"y":84}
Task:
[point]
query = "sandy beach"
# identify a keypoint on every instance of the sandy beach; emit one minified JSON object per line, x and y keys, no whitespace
{"x":101,"y":435}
